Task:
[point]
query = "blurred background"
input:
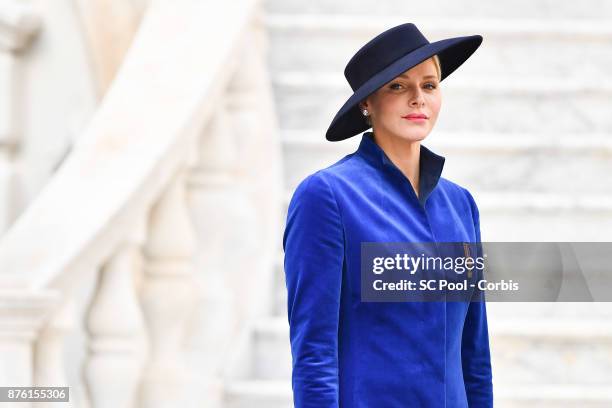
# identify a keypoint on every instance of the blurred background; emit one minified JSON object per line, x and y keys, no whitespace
{"x":148,"y":150}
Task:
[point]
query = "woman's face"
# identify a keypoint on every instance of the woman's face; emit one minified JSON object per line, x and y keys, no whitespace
{"x":416,"y":91}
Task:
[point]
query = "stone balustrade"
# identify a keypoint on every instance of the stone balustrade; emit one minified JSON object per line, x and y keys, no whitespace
{"x":179,"y":164}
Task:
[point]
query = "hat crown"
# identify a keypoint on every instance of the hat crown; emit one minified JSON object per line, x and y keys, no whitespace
{"x":381,"y":51}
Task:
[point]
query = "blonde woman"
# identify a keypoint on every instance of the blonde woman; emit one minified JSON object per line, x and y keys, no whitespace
{"x":348,"y":353}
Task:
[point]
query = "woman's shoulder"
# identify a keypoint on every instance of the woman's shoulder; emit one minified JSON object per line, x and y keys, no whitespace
{"x":314,"y":184}
{"x":324,"y":181}
{"x":458,"y":192}
{"x":314,"y":191}
{"x":454,"y":186}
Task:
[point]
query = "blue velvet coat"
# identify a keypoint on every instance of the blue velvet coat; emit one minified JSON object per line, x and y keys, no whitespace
{"x":352,"y":354}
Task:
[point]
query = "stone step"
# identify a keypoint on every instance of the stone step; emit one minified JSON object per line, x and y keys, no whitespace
{"x":486,"y":161}
{"x":517,"y":9}
{"x":271,"y":338}
{"x":314,"y":43}
{"x":552,"y":396}
{"x":534,"y":217}
{"x":524,"y":350}
{"x":278,"y":394}
{"x":258,"y":394}
{"x":541,"y":105}
{"x":563,"y":351}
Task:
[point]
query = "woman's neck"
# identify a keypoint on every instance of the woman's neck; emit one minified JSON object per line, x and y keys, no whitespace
{"x":404,"y":154}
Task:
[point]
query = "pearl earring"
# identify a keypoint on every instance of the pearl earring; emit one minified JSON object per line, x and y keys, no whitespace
{"x":365,"y":112}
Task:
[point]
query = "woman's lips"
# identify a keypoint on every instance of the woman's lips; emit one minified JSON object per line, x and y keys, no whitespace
{"x":415,"y":118}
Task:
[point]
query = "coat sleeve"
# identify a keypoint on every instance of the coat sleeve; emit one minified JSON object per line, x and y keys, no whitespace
{"x":475,"y":353}
{"x":313,"y":242}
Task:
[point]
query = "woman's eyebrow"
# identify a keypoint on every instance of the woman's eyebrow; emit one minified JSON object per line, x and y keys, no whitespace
{"x":426,"y":76}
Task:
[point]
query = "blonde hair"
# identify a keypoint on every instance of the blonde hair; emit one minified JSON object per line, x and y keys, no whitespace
{"x":436,"y":61}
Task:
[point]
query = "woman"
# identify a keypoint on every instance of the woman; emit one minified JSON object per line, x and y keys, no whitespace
{"x":349,"y":353}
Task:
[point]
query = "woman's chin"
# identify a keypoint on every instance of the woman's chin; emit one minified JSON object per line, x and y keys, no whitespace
{"x":413,"y":135}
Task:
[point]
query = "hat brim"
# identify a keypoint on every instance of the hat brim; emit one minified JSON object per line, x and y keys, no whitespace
{"x":452,"y":52}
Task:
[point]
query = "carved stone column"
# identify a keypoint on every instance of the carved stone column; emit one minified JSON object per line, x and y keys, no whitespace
{"x":224,"y":219}
{"x":49,"y":369}
{"x":253,"y":119}
{"x":168,"y":298}
{"x":110,"y":26}
{"x":18,"y":25}
{"x":115,"y":325}
{"x":22,"y":314}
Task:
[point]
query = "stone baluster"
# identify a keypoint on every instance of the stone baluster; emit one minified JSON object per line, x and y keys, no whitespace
{"x":18,"y":25}
{"x":115,"y":325}
{"x":49,"y":368}
{"x":252,"y":117}
{"x":108,"y":43}
{"x":22,"y":314}
{"x":224,"y":220}
{"x":168,"y":298}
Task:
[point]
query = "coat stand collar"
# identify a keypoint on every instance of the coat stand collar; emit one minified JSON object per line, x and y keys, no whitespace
{"x":430,"y":164}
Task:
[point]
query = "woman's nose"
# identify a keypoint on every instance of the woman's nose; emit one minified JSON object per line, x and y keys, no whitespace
{"x":417,"y":98}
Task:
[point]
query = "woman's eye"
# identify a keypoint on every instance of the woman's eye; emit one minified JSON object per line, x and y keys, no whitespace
{"x":396,"y":86}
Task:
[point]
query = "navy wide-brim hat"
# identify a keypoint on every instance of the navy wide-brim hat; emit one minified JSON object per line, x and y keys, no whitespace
{"x":385,"y":57}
